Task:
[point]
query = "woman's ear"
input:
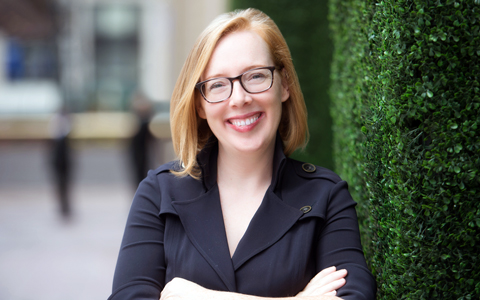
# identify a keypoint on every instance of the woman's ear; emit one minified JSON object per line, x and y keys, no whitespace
{"x":285,"y":90}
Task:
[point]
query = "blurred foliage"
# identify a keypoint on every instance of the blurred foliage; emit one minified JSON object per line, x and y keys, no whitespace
{"x":406,"y":109}
{"x":304,"y":26}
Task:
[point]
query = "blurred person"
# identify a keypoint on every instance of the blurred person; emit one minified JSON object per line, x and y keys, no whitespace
{"x":60,"y":127}
{"x":234,"y":217}
{"x":142,"y":140}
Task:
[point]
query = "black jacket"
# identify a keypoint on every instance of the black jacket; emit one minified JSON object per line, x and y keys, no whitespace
{"x":306,"y":222}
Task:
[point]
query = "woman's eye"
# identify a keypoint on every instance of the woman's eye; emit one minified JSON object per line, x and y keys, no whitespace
{"x":216,"y":85}
{"x":256,"y":77}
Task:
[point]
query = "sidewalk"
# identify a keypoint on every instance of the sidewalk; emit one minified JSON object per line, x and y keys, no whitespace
{"x":45,"y":257}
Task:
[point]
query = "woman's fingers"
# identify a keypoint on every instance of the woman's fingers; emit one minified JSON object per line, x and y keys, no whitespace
{"x":328,"y":288}
{"x":332,"y":293}
{"x":326,"y":271}
{"x":334,"y":285}
{"x":325,"y":282}
{"x":328,"y":275}
{"x":340,"y":274}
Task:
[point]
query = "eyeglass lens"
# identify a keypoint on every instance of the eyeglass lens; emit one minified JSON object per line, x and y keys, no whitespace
{"x":253,"y":81}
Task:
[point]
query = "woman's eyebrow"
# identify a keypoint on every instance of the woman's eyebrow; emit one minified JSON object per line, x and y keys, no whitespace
{"x":220,"y":75}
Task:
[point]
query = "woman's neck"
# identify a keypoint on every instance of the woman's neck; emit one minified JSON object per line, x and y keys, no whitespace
{"x":245,"y":170}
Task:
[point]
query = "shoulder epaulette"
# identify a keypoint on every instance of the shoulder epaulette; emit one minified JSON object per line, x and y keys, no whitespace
{"x":170,"y":166}
{"x":308,"y":170}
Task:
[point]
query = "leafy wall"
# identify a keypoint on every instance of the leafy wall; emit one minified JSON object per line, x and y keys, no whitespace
{"x":406,"y":108}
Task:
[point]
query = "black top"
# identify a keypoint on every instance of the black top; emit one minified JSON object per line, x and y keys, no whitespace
{"x":305,"y":223}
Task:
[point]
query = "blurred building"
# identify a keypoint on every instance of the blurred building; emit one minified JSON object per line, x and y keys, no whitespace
{"x":90,"y":57}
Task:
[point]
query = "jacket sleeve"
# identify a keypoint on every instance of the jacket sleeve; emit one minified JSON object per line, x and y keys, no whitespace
{"x":340,"y":246}
{"x":140,"y":270}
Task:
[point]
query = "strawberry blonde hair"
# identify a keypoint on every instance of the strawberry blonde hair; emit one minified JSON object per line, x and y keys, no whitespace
{"x":189,"y":132}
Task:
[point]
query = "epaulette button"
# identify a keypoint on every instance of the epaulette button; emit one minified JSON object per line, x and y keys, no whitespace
{"x":306,"y":209}
{"x":309,"y":168}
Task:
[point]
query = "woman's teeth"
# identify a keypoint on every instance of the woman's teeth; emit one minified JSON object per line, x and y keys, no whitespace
{"x":245,"y":121}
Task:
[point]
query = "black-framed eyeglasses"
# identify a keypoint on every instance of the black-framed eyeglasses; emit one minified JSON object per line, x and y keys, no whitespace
{"x":253,"y":81}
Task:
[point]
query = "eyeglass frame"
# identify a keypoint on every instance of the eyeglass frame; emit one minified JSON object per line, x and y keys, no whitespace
{"x":199,"y":85}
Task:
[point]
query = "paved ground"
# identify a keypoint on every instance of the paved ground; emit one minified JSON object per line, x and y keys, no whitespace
{"x":41,"y":255}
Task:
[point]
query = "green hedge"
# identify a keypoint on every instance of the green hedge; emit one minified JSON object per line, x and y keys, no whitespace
{"x":405,"y":103}
{"x":305,"y":28}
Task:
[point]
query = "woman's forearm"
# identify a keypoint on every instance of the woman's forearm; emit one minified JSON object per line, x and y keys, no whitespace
{"x":182,"y":289}
{"x":220,"y":295}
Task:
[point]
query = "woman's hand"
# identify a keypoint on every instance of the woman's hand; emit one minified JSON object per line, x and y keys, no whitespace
{"x":182,"y":289}
{"x":325,"y":283}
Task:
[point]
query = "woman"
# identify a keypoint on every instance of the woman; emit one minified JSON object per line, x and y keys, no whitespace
{"x":235,"y":218}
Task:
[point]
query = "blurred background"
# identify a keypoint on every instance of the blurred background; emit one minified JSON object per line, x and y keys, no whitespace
{"x":84,"y":100}
{"x":85,"y":87}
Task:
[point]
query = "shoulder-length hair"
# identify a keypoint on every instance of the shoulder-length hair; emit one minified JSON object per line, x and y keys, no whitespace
{"x":189,"y":132}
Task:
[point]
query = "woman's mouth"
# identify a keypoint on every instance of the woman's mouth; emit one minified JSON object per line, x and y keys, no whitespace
{"x":243,"y":122}
{"x":246,"y":123}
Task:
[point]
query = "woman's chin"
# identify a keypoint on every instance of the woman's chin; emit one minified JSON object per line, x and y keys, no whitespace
{"x":252,"y":146}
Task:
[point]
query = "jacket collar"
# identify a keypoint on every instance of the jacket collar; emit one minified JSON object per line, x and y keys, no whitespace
{"x":279,"y":160}
{"x":207,"y":160}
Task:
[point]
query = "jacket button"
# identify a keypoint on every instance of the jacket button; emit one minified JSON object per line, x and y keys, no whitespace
{"x":309,"y":168}
{"x":306,"y":209}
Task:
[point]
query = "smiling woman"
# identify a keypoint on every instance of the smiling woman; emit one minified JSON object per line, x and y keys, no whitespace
{"x":234,"y":217}
{"x":246,"y":53}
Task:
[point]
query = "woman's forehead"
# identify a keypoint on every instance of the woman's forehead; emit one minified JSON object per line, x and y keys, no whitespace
{"x":238,"y":52}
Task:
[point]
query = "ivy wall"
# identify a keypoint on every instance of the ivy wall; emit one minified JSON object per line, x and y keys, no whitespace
{"x":406,"y":112}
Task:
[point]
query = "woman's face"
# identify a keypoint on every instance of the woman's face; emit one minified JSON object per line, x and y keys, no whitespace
{"x":245,"y":122}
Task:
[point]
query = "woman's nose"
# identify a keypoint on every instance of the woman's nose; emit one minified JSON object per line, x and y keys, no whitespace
{"x":239,"y":96}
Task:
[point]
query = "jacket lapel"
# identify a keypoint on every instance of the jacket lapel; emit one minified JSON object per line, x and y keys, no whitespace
{"x":271,"y":221}
{"x":202,"y":217}
{"x":273,"y":218}
{"x":202,"y":220}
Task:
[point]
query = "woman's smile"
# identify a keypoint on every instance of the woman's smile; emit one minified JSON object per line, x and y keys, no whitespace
{"x":246,"y":122}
